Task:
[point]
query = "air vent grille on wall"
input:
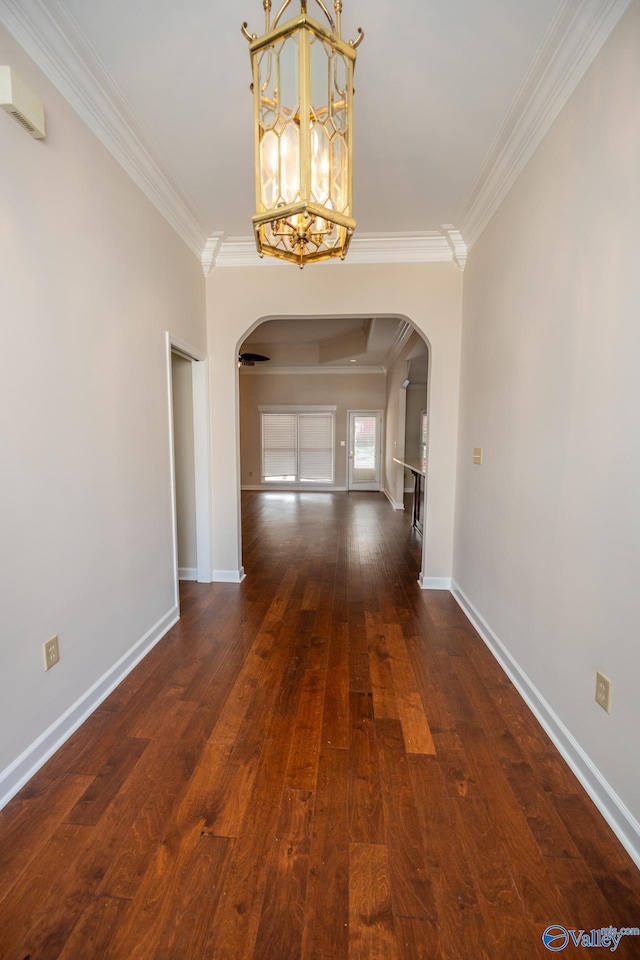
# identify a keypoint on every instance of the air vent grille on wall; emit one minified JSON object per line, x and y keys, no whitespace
{"x":21,"y":103}
{"x":23,"y":120}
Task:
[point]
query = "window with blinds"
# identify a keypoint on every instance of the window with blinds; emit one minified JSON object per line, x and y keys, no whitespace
{"x":298,"y":446}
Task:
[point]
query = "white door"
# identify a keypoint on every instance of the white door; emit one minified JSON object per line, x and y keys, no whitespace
{"x":365,"y":431}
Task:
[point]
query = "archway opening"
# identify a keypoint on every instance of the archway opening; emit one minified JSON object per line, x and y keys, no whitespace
{"x":324,"y":369}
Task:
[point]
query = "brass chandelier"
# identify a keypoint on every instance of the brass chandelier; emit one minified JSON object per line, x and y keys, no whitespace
{"x":303,"y":90}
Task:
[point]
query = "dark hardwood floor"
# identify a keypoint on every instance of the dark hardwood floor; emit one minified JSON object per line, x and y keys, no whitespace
{"x":323,"y":762}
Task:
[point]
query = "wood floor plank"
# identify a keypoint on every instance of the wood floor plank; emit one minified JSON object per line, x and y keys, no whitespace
{"x":620,"y":886}
{"x":385,"y":701}
{"x":460,"y":926}
{"x":27,"y":825}
{"x":417,"y":938}
{"x":335,"y":720}
{"x":282,"y":918}
{"x":99,"y":794}
{"x":237,"y":703}
{"x":302,"y":769}
{"x":366,"y":819}
{"x":237,"y":916}
{"x":488,"y":863}
{"x":433,"y":693}
{"x":411,"y":712}
{"x":411,"y":887}
{"x":528,"y":868}
{"x":174,"y":771}
{"x":36,"y":906}
{"x":324,"y":613}
{"x":326,"y":927}
{"x":371,"y":928}
{"x":163,"y":881}
{"x":359,"y":675}
{"x":187,"y":925}
{"x":96,"y":928}
{"x":455,"y":765}
{"x":81,"y":856}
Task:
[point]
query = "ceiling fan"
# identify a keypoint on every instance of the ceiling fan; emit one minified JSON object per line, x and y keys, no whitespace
{"x":250,"y":359}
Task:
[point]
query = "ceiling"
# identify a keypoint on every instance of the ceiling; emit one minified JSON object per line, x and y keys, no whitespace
{"x":356,"y":344}
{"x":452,"y":99}
{"x":435,"y":80}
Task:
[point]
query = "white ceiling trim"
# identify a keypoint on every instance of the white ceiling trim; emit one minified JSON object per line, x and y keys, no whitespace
{"x":432,"y":247}
{"x":210,"y":252}
{"x":572,"y":41}
{"x":457,"y":245}
{"x":404,"y":332}
{"x":61,"y":51}
{"x":261,"y":371}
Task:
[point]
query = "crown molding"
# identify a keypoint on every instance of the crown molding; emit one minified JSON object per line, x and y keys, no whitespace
{"x":404,"y":332}
{"x":576,"y":34}
{"x":210,"y":252}
{"x":305,"y":370}
{"x":56,"y":45}
{"x":428,"y":247}
{"x":457,"y":245}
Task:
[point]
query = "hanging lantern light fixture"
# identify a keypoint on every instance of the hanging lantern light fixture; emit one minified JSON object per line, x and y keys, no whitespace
{"x":303,"y":90}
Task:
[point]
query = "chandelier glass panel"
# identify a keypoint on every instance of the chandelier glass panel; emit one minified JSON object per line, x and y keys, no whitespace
{"x":303,"y":90}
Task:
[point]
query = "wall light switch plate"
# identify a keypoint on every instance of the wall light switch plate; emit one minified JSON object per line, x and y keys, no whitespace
{"x":477,"y":456}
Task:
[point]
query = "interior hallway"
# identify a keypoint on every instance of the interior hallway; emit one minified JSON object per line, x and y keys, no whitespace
{"x":322,"y":762}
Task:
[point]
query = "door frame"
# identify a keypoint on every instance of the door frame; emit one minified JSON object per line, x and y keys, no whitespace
{"x":377,"y":485}
{"x":201,"y":457}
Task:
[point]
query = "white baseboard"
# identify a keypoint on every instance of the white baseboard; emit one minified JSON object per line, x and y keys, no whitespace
{"x":187,"y":573}
{"x":14,"y":777}
{"x":618,"y":816}
{"x":434,"y":583}
{"x":396,"y":506}
{"x":228,"y":576}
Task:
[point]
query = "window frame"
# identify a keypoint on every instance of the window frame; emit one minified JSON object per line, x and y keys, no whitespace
{"x":298,"y":409}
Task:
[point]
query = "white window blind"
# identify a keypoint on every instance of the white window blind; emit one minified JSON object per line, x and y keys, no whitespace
{"x":315,"y":447}
{"x":298,"y":447}
{"x":279,"y":446}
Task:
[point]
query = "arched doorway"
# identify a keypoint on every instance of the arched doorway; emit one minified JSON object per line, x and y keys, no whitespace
{"x":338,"y":370}
{"x":427,"y":296}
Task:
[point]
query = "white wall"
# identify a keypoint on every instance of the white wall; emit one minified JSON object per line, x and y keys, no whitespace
{"x":91,"y":277}
{"x":547,"y":545}
{"x":183,"y":450}
{"x":348,"y":391}
{"x":396,"y":420}
{"x":427,"y":294}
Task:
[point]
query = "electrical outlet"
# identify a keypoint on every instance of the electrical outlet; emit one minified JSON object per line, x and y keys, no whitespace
{"x":51,"y":652}
{"x":603,"y":691}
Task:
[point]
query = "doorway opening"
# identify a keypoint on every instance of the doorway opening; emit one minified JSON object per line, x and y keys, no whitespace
{"x":188,"y":393}
{"x":372,"y":371}
{"x":365,"y":449}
